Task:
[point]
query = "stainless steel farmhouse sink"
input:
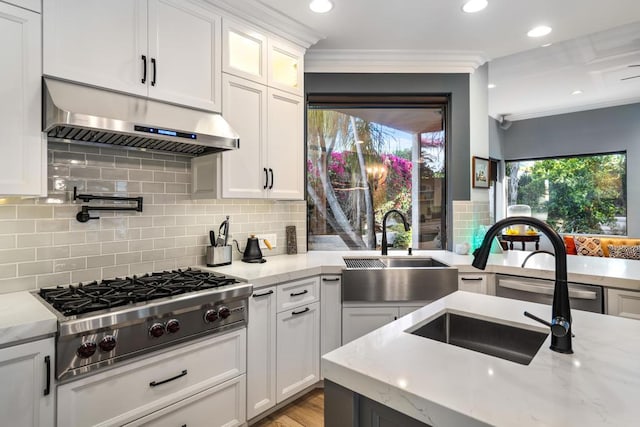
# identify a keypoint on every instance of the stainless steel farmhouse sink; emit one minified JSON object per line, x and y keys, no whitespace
{"x":504,"y":341}
{"x":396,"y":279}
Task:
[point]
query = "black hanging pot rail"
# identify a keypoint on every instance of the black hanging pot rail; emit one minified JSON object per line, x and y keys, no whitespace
{"x":84,"y":216}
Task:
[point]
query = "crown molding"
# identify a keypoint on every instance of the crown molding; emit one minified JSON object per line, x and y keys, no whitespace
{"x":259,"y":14}
{"x":391,"y":61}
{"x":572,"y":109}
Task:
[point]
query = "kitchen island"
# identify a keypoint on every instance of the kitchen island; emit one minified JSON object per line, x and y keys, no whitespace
{"x":439,"y":384}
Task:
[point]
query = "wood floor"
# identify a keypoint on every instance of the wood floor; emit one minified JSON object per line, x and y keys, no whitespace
{"x":307,"y":411}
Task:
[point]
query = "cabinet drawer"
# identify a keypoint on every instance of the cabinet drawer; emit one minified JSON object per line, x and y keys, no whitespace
{"x":222,"y":405}
{"x":473,"y":283}
{"x":297,"y":293}
{"x":127,"y":392}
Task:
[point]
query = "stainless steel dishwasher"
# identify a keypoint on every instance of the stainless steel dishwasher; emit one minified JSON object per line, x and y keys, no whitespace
{"x":581,"y":296}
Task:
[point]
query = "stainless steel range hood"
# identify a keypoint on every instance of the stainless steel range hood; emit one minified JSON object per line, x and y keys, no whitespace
{"x":87,"y":115}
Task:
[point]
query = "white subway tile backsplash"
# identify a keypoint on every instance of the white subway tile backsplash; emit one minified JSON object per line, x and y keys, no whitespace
{"x":52,"y":252}
{"x":33,"y":268}
{"x":42,"y":244}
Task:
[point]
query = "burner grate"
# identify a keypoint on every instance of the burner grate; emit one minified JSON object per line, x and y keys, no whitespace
{"x":109,"y":293}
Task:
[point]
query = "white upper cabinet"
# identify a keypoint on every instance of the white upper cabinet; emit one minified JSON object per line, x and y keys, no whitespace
{"x":252,"y":55}
{"x":286,"y":67}
{"x":164,"y":49}
{"x":244,"y":51}
{"x":285,"y":156}
{"x":22,"y":149}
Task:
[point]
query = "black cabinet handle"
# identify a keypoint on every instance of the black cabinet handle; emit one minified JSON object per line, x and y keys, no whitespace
{"x":157,"y":383}
{"x":294,"y":313}
{"x":295,"y":294}
{"x":144,"y":68}
{"x":266,"y":179}
{"x":155,"y":69}
{"x":263,"y":295}
{"x":47,"y":363}
{"x":471,"y":279}
{"x":271,"y":172}
{"x":335,"y":279}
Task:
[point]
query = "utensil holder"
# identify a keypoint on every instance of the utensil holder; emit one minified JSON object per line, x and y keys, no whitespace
{"x":218,"y":255}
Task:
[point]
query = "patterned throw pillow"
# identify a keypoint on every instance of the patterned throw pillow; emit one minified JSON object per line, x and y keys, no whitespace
{"x":588,"y":246}
{"x":627,"y":252}
{"x":570,"y":245}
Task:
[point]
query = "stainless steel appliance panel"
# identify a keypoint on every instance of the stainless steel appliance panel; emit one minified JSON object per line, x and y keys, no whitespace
{"x":581,"y":296}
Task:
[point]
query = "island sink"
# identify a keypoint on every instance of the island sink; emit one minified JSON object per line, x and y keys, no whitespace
{"x":506,"y":342}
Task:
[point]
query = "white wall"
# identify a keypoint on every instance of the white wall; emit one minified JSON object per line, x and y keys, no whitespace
{"x":478,"y":124}
{"x":586,"y":132}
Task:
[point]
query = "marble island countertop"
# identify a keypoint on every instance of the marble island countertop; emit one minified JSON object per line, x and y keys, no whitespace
{"x":610,"y":272}
{"x":23,"y":318}
{"x":443,"y":385}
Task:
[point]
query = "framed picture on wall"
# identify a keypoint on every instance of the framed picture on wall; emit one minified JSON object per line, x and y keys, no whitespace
{"x":480,"y":172}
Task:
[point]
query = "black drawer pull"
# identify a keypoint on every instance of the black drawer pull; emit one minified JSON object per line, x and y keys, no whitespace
{"x":266,"y":179}
{"x":47,"y":362}
{"x":144,"y":68}
{"x":293,"y":313}
{"x":153,"y":79}
{"x":471,"y":279}
{"x":335,"y":279}
{"x":271,"y":172}
{"x":157,"y":383}
{"x":263,"y":295}
{"x":297,"y":294}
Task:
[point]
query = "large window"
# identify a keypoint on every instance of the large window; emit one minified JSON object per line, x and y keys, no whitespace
{"x":363,"y":161}
{"x":581,"y":194}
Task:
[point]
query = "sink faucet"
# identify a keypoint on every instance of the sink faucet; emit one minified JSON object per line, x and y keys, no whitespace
{"x":560,"y":311}
{"x":384,"y":227}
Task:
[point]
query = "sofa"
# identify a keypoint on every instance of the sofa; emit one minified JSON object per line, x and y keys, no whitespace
{"x":603,"y":246}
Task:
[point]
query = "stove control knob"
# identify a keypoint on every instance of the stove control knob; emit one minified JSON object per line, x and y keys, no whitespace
{"x":173,"y":326}
{"x":210,"y":316}
{"x":107,"y":343}
{"x":156,"y":330}
{"x":224,"y":312}
{"x":86,"y":350}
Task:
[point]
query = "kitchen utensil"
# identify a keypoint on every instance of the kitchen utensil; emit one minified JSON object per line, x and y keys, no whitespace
{"x":222,"y":233}
{"x":252,"y":252}
{"x":226,"y":231}
{"x":212,"y":237}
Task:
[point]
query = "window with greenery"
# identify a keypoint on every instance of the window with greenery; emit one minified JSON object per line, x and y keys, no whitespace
{"x":362,"y":162}
{"x":581,"y":194}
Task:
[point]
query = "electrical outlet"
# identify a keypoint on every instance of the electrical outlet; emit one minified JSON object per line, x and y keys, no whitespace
{"x":272,"y":238}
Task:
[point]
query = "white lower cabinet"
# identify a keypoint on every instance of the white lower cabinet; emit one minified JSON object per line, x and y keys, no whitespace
{"x":219,"y":406}
{"x":27,"y":392}
{"x":359,"y":320}
{"x":623,"y":303}
{"x":330,"y":313}
{"x":283,"y":349}
{"x":298,"y":350}
{"x":471,"y":282}
{"x":261,"y":352}
{"x":138,"y":389}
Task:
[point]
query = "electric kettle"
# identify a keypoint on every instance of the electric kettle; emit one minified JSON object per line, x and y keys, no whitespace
{"x":252,"y":252}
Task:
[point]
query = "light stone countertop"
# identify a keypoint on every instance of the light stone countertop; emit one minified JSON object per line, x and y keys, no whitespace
{"x":444,"y":385}
{"x":24,"y":318}
{"x":609,"y":272}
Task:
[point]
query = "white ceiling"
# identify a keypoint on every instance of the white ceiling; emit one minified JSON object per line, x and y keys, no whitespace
{"x":532,"y":82}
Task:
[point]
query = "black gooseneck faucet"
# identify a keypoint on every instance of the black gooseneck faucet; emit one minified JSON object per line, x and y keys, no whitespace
{"x":384,"y":227}
{"x":560,"y":311}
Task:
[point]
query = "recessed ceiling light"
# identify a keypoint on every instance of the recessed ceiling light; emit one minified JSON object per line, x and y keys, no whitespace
{"x":320,"y":6}
{"x":576,"y":92}
{"x":473,"y":6}
{"x":491,"y":85}
{"x":546,"y":45}
{"x":539,"y":31}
